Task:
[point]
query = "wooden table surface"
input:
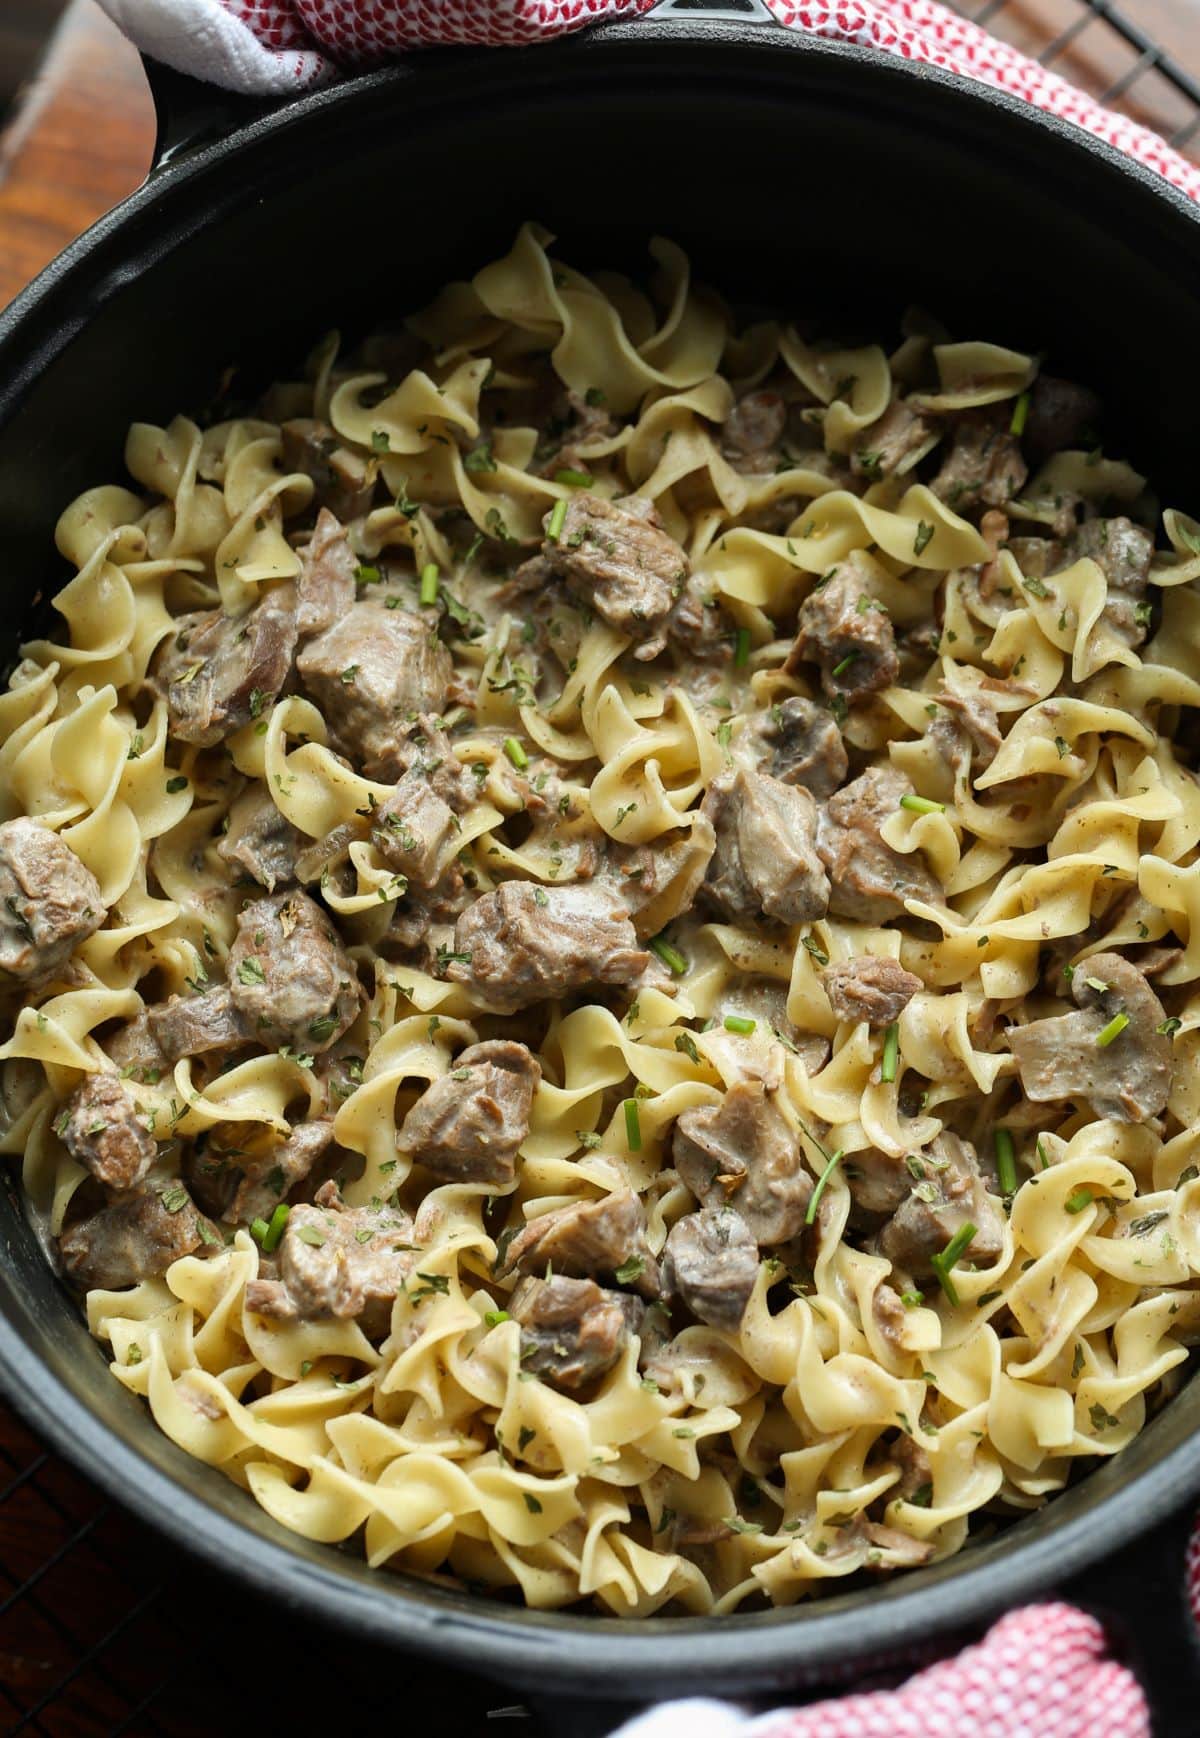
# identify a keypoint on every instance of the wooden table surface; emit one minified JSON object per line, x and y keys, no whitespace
{"x":80,"y":142}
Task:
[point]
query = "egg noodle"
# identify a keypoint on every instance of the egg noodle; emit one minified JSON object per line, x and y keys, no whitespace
{"x":838,"y":1428}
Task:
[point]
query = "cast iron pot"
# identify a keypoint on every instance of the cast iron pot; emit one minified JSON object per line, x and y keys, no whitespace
{"x":802,"y":176}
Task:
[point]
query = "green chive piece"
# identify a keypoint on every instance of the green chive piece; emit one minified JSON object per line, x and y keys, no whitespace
{"x":633,"y":1126}
{"x":557,"y":515}
{"x":274,"y":1230}
{"x":1079,"y":1200}
{"x":1043,"y":1155}
{"x":493,"y":1318}
{"x":943,"y":1263}
{"x":516,"y":753}
{"x":429,"y":583}
{"x":1020,"y":415}
{"x":1006,"y":1164}
{"x":574,"y":479}
{"x":840,"y":669}
{"x":891,"y":1054}
{"x":670,"y":956}
{"x":739,"y":1023}
{"x":258,"y":1229}
{"x":1113,"y":1030}
{"x":814,"y":1200}
{"x":741,"y":648}
{"x":920,"y":805}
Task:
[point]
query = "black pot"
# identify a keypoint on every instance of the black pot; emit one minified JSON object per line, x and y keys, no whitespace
{"x":802,"y":175}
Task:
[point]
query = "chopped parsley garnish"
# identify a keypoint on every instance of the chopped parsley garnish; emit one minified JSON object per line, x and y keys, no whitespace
{"x":630,"y":1270}
{"x":174,"y":1199}
{"x":381,"y":440}
{"x":309,"y":1234}
{"x":812,"y":946}
{"x":1168,"y":1028}
{"x":923,"y":537}
{"x":178,"y":783}
{"x":686,"y":1044}
{"x":480,"y":458}
{"x":250,"y":971}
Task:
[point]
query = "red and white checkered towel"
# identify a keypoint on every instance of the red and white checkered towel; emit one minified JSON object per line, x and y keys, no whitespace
{"x":272,"y":46}
{"x":1042,"y":1672}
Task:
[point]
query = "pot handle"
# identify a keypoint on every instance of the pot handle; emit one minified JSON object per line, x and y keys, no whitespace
{"x":190,"y":113}
{"x":736,"y":11}
{"x":1140,"y":1592}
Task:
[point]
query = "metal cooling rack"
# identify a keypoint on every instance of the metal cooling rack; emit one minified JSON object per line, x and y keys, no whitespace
{"x":104,"y":1633}
{"x":1135,"y":67}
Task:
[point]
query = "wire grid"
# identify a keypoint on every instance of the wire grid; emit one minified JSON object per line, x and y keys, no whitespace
{"x":107,"y":1632}
{"x":104,"y":1631}
{"x":1110,"y":53}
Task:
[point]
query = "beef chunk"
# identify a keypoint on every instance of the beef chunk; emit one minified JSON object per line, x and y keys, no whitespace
{"x":710,"y":1262}
{"x":290,"y":977}
{"x":1124,"y":551}
{"x":134,"y":1050}
{"x":369,"y":672}
{"x":571,"y":424}
{"x":890,"y":1315}
{"x":265,"y":1180}
{"x":753,"y":431}
{"x":101,"y":1129}
{"x":135,"y":1237}
{"x":984,"y":467}
{"x":870,"y":881}
{"x":615,"y":556}
{"x":49,"y":902}
{"x":870,"y":989}
{"x":467,"y":1126}
{"x":198,"y":1025}
{"x":326,"y":587}
{"x":525,"y":943}
{"x":765,"y":863}
{"x":804,"y":744}
{"x":884,"y":444}
{"x":345,"y":1262}
{"x":877,"y":1182}
{"x":343,"y":480}
{"x":415,"y":831}
{"x":260,"y":842}
{"x":217,"y":672}
{"x":741,"y":1152}
{"x":572,"y":1331}
{"x":589,"y":1240}
{"x":699,"y":627}
{"x":1128,"y":1078}
{"x":950,"y":1195}
{"x":843,"y":628}
{"x":973,"y":723}
{"x":1060,"y":415}
{"x":424,"y":750}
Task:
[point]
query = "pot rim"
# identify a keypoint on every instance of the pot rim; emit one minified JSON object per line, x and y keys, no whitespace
{"x":568,"y":1650}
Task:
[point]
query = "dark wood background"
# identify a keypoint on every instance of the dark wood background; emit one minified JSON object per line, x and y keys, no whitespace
{"x":102,"y":1629}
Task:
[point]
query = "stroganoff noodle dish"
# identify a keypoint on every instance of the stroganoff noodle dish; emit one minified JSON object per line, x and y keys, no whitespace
{"x":600,"y":923}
